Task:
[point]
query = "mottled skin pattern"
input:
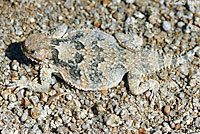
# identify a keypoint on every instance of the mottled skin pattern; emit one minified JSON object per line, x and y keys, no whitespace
{"x":87,"y":59}
{"x":84,"y":61}
{"x":91,"y":60}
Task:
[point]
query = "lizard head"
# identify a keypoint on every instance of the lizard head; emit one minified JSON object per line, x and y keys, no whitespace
{"x":37,"y":47}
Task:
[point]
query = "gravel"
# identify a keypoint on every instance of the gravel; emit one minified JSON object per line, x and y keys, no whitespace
{"x":166,"y":26}
{"x":170,"y":105}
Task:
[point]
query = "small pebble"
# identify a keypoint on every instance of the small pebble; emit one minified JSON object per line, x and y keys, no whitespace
{"x":130,"y":1}
{"x":166,"y":110}
{"x":113,"y":120}
{"x":12,"y":97}
{"x":197,"y":122}
{"x":35,"y":113}
{"x":26,"y":102}
{"x":24,"y":116}
{"x":32,"y":20}
{"x":1,"y":123}
{"x":177,"y":126}
{"x":166,"y":25}
{"x":15,"y":65}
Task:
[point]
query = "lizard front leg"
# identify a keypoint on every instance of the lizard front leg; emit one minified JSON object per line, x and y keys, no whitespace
{"x":33,"y":84}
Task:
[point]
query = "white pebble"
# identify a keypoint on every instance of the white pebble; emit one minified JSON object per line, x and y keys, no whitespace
{"x":12,"y":97}
{"x":139,"y":15}
{"x":166,"y":25}
{"x":60,"y":18}
{"x":24,"y":116}
{"x":181,"y":24}
{"x":197,"y":122}
{"x":113,"y":120}
{"x":130,"y":1}
{"x":32,"y":20}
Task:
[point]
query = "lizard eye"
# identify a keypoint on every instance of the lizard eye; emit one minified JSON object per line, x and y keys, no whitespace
{"x":32,"y":51}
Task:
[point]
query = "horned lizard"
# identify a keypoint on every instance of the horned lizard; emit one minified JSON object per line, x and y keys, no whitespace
{"x":90,"y":60}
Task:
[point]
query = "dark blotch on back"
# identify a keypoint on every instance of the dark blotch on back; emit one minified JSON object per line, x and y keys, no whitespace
{"x":99,"y":56}
{"x":57,"y":41}
{"x":55,"y":56}
{"x":75,"y":72}
{"x":95,"y":46}
{"x":95,"y":74}
{"x":77,"y":36}
{"x":63,"y":63}
{"x":78,"y":45}
{"x":78,"y":57}
{"x":57,"y":61}
{"x":98,"y":36}
{"x":71,"y":63}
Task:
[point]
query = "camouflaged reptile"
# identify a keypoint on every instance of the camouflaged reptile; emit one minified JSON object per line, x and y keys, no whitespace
{"x":91,"y":60}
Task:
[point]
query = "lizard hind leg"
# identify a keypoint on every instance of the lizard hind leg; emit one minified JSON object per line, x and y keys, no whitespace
{"x":138,"y":84}
{"x":142,"y":70}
